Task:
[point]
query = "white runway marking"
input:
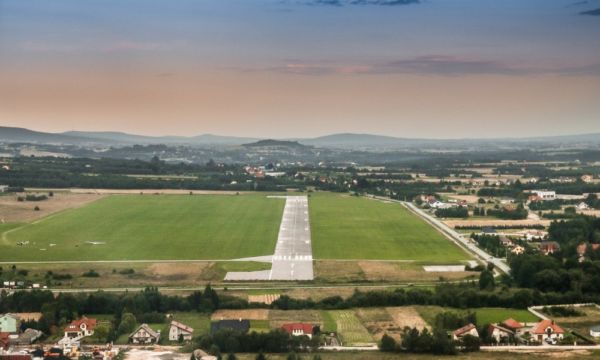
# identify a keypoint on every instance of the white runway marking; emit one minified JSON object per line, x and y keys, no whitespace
{"x":293,"y":253}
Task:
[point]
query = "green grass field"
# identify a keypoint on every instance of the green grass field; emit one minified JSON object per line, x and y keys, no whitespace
{"x":347,"y":227}
{"x":151,"y":227}
{"x":486,"y":315}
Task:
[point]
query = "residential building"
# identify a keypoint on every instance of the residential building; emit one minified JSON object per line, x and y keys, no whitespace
{"x":144,"y":335}
{"x":500,"y":334}
{"x":582,"y":206}
{"x":298,"y":329}
{"x":549,"y":247}
{"x":587,"y":178}
{"x":177,"y":330}
{"x":9,"y":323}
{"x":582,"y":250}
{"x":469,"y":329}
{"x":595,"y":331}
{"x":80,"y":328}
{"x":3,"y":188}
{"x":513,"y":325}
{"x":547,"y":330}
{"x":543,"y":195}
{"x":517,"y":250}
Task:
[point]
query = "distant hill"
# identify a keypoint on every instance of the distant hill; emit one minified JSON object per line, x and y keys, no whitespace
{"x":276,"y":143}
{"x":341,"y":141}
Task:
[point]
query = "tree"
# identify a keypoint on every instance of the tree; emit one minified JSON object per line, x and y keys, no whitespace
{"x":388,"y":344}
{"x":261,"y":356}
{"x":470,"y":343}
{"x":231,"y":356}
{"x":127,"y":324}
{"x":486,"y":280}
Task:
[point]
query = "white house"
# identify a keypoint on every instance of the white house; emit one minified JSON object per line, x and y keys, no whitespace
{"x":80,"y":328}
{"x":178,"y":329}
{"x":547,"y":330}
{"x":595,"y":331}
{"x":469,"y":329}
{"x":298,"y":329}
{"x":500,"y":333}
{"x":144,"y":335}
{"x":3,"y":188}
{"x":544,"y":194}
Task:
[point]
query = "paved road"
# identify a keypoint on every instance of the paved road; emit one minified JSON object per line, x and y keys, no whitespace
{"x":293,"y":253}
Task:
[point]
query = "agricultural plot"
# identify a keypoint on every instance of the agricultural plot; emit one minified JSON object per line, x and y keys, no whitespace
{"x":347,"y":227}
{"x":483,"y":316}
{"x":151,"y":227}
{"x":349,"y":328}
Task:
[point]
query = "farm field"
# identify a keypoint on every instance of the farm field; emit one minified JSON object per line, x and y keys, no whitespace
{"x":346,"y":227}
{"x":349,"y":327}
{"x":151,"y":227}
{"x":484,"y":315}
{"x":375,"y":355}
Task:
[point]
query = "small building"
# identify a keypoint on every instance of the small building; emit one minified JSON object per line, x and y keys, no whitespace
{"x":595,"y":331}
{"x":469,"y":329}
{"x":144,"y":335}
{"x":513,"y":325}
{"x":582,"y":206}
{"x":518,"y":250}
{"x":298,"y":329}
{"x":587,"y":178}
{"x":4,"y":188}
{"x":500,"y":334}
{"x":544,"y":195}
{"x":240,"y":325}
{"x":505,"y":241}
{"x":547,"y":330}
{"x":9,"y":323}
{"x":582,"y":250}
{"x":177,"y":329}
{"x":549,"y":247}
{"x":28,"y":337}
{"x":80,"y":328}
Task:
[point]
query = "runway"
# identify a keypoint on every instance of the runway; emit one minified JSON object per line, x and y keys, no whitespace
{"x":293,"y":253}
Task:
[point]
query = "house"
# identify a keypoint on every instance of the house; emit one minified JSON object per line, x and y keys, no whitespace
{"x":4,"y":188}
{"x":582,"y":250}
{"x":9,"y":323}
{"x":595,"y":331}
{"x":80,"y":328}
{"x":587,"y":178}
{"x":543,"y":195}
{"x":500,"y":334}
{"x":240,"y":325}
{"x":28,"y":337}
{"x":177,"y":329}
{"x":4,"y":336}
{"x":547,"y":330}
{"x":513,"y":325}
{"x":144,"y":335}
{"x":505,"y":241}
{"x":583,"y":206}
{"x":518,"y":250}
{"x":469,"y":329}
{"x":298,"y":329}
{"x":549,"y":247}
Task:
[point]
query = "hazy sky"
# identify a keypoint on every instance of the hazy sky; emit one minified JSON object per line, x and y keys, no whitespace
{"x":287,"y":68}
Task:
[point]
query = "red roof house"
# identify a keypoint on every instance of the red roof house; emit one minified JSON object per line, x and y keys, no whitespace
{"x":512,"y":324}
{"x":547,"y":329}
{"x":298,"y":329}
{"x":469,"y":329}
{"x":80,"y":327}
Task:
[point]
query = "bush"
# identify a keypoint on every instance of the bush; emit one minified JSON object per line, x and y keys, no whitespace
{"x":91,"y":274}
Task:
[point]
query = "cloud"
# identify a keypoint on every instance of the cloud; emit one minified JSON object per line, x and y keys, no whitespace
{"x":440,"y":65}
{"x":595,"y":12}
{"x":358,"y":2}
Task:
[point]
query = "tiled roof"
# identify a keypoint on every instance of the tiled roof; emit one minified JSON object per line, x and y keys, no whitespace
{"x":541,"y":327}
{"x":512,"y":323}
{"x":306,"y":328}
{"x":463,"y":330}
{"x":182,"y":326}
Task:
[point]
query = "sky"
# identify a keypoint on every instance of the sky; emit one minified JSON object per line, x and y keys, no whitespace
{"x":298,"y":68}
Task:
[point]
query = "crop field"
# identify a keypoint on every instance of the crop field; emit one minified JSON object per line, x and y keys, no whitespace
{"x":349,"y":327}
{"x":486,"y":315}
{"x":150,"y":227}
{"x":347,"y":227}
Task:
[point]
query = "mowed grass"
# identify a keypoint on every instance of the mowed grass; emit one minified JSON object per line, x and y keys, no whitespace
{"x":151,"y":227}
{"x":349,"y":227}
{"x":484,"y":316}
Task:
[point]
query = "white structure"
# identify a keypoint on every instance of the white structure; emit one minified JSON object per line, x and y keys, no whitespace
{"x":544,"y":194}
{"x":500,"y":333}
{"x":178,"y":329}
{"x":469,"y":329}
{"x":595,"y":331}
{"x":3,"y":188}
{"x":144,"y":335}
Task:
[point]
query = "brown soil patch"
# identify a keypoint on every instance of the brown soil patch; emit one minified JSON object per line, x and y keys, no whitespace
{"x":338,"y":271}
{"x":391,"y":321}
{"x":247,"y":314}
{"x":186,"y":269}
{"x":407,"y":316}
{"x":319,"y":294}
{"x":12,"y":210}
{"x":263,"y":299}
